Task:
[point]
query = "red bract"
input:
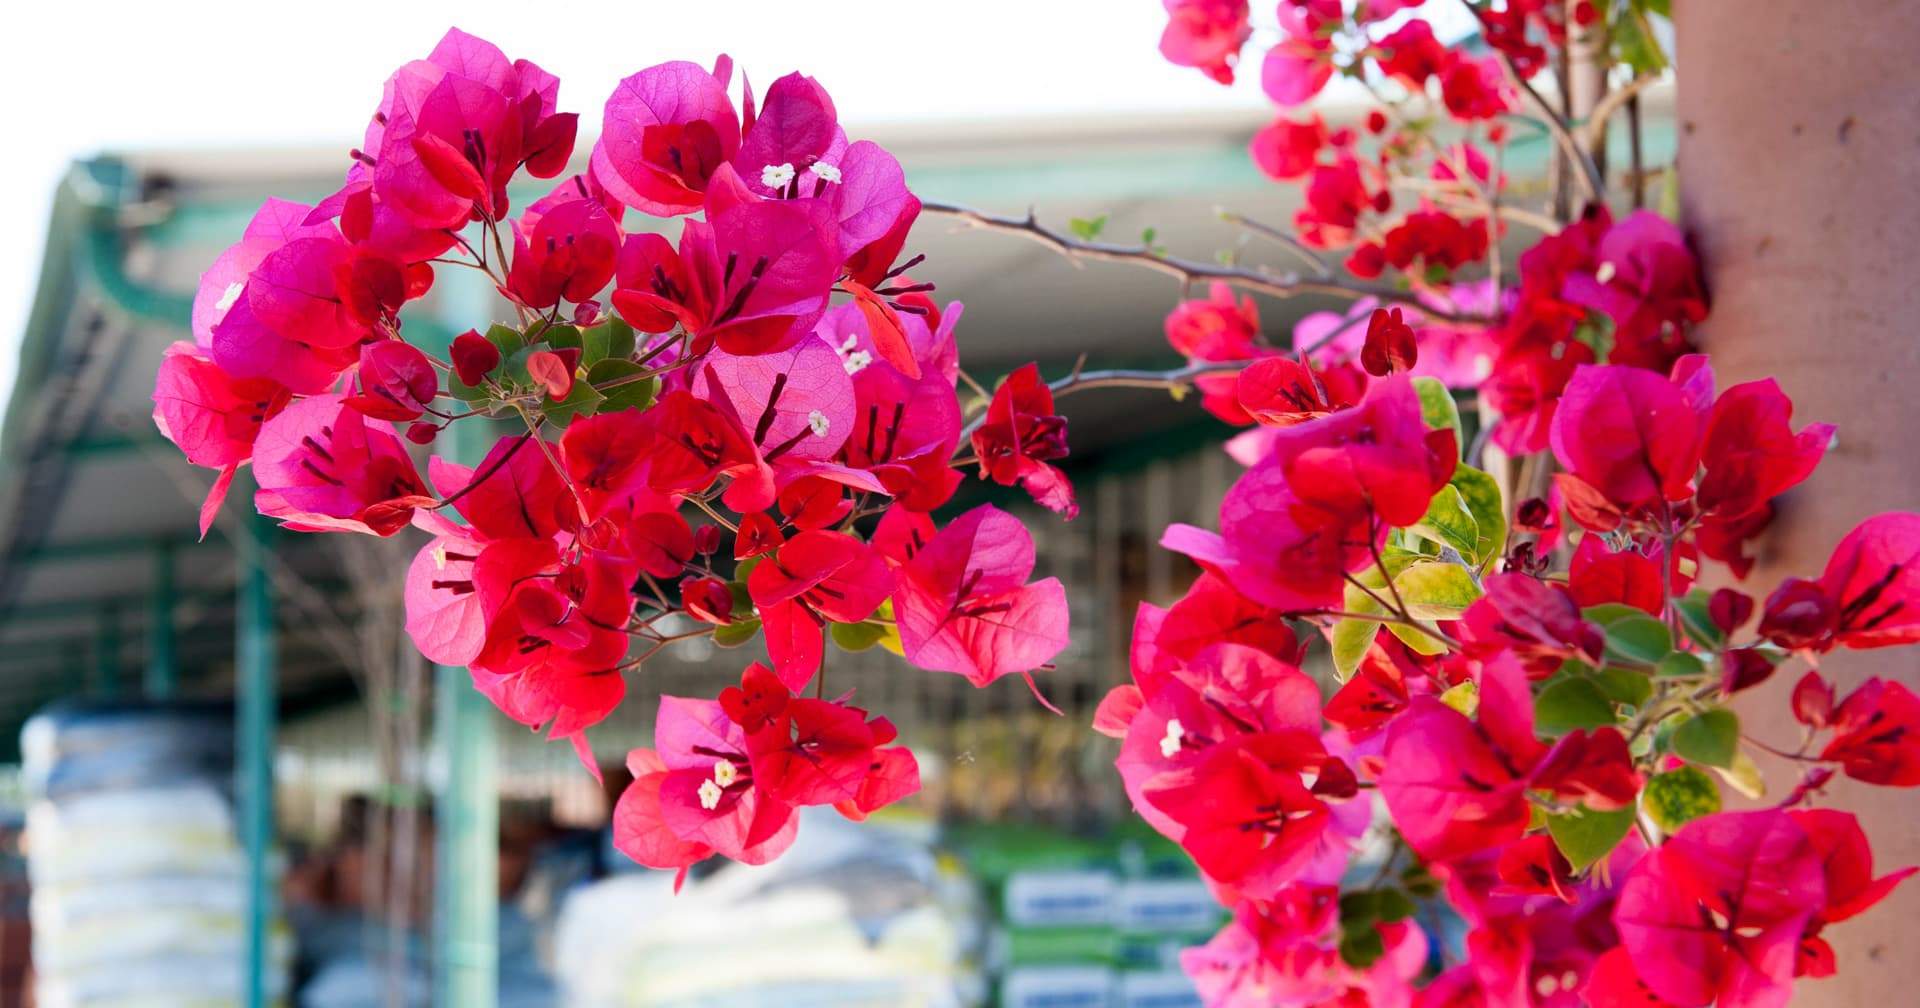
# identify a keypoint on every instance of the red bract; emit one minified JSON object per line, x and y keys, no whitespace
{"x":213,"y":419}
{"x":564,"y":249}
{"x":1851,"y":887}
{"x":397,"y":382}
{"x":1535,"y":621}
{"x":1629,"y":434}
{"x":1457,"y":786}
{"x":1749,"y":454}
{"x":1219,"y":328}
{"x":964,"y":605}
{"x":667,"y":130}
{"x":1717,"y":913}
{"x":1390,"y":347}
{"x":1206,"y":34}
{"x":1300,"y":65}
{"x":812,"y":579}
{"x":454,"y":128}
{"x":1876,"y":733}
{"x":1287,"y":150}
{"x":321,"y":466}
{"x":696,"y":794}
{"x":1020,"y":435}
{"x":1279,"y":392}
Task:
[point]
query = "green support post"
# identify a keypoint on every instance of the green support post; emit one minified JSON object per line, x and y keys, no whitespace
{"x":163,"y":673}
{"x":106,"y":654}
{"x":255,"y":660}
{"x":467,"y":924}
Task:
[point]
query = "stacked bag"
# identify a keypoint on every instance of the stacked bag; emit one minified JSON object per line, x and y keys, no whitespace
{"x":1083,"y":923}
{"x":139,"y":882}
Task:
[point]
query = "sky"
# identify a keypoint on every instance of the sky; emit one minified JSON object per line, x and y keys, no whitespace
{"x":109,"y":75}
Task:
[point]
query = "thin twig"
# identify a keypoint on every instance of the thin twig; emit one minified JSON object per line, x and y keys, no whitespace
{"x":1124,"y":378}
{"x":1284,"y":239}
{"x":1593,"y":131}
{"x":1186,"y":270}
{"x":1589,"y":172}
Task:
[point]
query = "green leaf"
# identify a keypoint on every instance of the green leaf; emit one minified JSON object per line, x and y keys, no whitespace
{"x":1359,"y":910}
{"x":1463,"y":696}
{"x":1349,"y":640}
{"x":1634,"y":41}
{"x":1678,"y":797}
{"x":611,"y":339}
{"x":1393,"y":905}
{"x":1419,"y":643}
{"x":563,"y":337}
{"x":1087,"y":229}
{"x":1438,"y":408}
{"x":1482,"y":497}
{"x":1570,"y":703}
{"x":1696,"y":618}
{"x":858,"y":636}
{"x":1586,"y":836}
{"x":1639,"y":638}
{"x":635,"y":394}
{"x":730,"y":635}
{"x":582,"y":401}
{"x":1667,"y":202}
{"x":507,"y":339}
{"x":1361,"y":949}
{"x":1681,"y":664}
{"x":1436,"y":590}
{"x":1710,"y":738}
{"x":1450,"y":522}
{"x":1608,"y":613}
{"x":1624,"y":685}
{"x":1596,"y":331}
{"x":1744,"y":776}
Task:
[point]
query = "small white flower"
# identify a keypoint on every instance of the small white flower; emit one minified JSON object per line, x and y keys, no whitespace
{"x":1547,"y":986}
{"x":857,"y":361}
{"x":818,"y":421}
{"x":725,"y":773}
{"x":850,"y":344}
{"x":827,"y":172}
{"x":1171,"y":744}
{"x":229,"y":296}
{"x":1605,"y":273}
{"x":709,"y":795}
{"x":776,"y":176}
{"x":439,"y":558}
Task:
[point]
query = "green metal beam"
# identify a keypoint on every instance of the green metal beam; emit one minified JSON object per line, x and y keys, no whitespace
{"x":106,"y":653}
{"x":255,"y":660}
{"x":163,"y":665}
{"x":96,"y":549}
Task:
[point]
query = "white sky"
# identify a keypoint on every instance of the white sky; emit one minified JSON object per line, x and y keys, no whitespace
{"x":113,"y":75}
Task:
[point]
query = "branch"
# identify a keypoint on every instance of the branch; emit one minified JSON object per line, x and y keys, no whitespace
{"x":1188,"y":270}
{"x":1556,"y":124}
{"x":1123,"y":378}
{"x":1613,"y":101}
{"x":1283,"y":238}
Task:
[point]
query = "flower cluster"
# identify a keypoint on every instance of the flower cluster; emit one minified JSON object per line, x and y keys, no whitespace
{"x":1535,"y":662}
{"x":741,"y":432}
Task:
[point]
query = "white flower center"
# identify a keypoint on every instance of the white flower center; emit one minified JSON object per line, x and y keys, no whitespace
{"x":826,"y":171}
{"x":1171,"y":744}
{"x":725,"y":773}
{"x":1546,"y":986}
{"x":857,"y":361}
{"x":229,"y":296}
{"x":709,"y":795}
{"x":818,"y":421}
{"x":776,"y":176}
{"x":1605,"y":273}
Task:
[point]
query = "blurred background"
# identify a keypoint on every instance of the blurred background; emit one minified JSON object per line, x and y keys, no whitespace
{"x":234,"y":782}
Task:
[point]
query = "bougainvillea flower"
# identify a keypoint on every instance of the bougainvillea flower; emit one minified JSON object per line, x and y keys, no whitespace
{"x":1206,"y":34}
{"x":813,"y":578}
{"x":815,"y":752}
{"x":800,"y":400}
{"x":1525,"y":388}
{"x":1749,"y":452}
{"x":1248,"y":817}
{"x":1628,"y":433}
{"x":1390,"y":345}
{"x":1020,"y":435}
{"x":1873,"y":579}
{"x":1377,"y":459}
{"x":1876,"y":734}
{"x":1595,"y":770}
{"x":1336,"y":195}
{"x":514,"y":493}
{"x":1377,"y":691}
{"x":1297,"y":67}
{"x":696,"y":442}
{"x":1274,"y":548}
{"x":964,"y":605}
{"x":397,"y":382}
{"x":1281,"y":392}
{"x":1648,"y":283}
{"x":1717,"y":912}
{"x":563,"y":251}
{"x":223,"y":285}
{"x":1536,"y":621}
{"x":444,"y":615}
{"x":1599,"y":575}
{"x":1285,"y":150}
{"x":1851,"y":885}
{"x":1218,"y":328}
{"x":454,"y":128}
{"x":667,"y":129}
{"x":1457,"y":786}
{"x":1284,"y":953}
{"x":698,"y":794}
{"x":1474,"y":88}
{"x":214,"y":419}
{"x":752,"y":278}
{"x":321,"y":466}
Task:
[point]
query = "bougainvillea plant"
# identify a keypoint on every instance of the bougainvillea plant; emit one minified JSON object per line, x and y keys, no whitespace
{"x":747,"y":429}
{"x":742,"y":429}
{"x":1534,"y":650}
